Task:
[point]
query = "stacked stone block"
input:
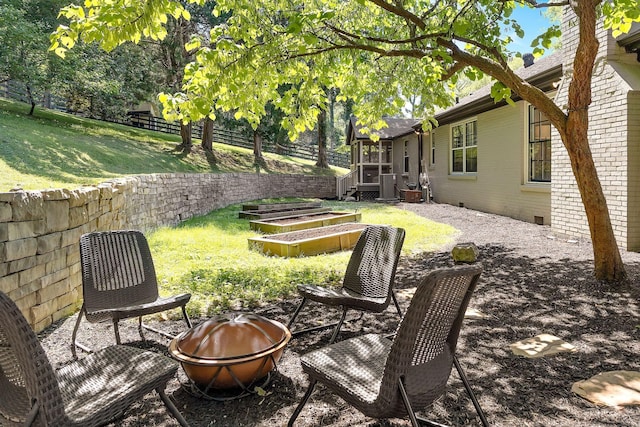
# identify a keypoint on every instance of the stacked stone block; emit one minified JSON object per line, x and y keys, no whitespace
{"x":40,"y":230}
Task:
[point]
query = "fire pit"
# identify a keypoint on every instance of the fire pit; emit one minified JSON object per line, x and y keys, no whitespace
{"x":230,"y":352}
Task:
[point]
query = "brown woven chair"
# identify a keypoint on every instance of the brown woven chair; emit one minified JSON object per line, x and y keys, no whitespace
{"x":119,"y":282}
{"x":385,"y":379}
{"x":91,"y":391}
{"x":368,"y":281}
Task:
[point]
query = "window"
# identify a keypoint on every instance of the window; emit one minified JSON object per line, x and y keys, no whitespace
{"x":375,"y":159}
{"x":405,"y":168}
{"x":464,"y":148}
{"x":539,"y":146}
{"x":370,"y":152}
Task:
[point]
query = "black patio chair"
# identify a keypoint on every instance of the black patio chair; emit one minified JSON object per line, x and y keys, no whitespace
{"x":368,"y":281}
{"x":383,"y":378}
{"x":91,"y":391}
{"x":119,"y":282}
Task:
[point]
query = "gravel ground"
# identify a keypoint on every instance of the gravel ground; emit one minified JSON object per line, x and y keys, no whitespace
{"x":533,"y":282}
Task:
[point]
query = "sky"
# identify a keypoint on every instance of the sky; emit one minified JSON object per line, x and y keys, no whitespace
{"x":533,"y":24}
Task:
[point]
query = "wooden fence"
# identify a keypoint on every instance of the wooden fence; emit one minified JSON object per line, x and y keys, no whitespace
{"x":16,"y":91}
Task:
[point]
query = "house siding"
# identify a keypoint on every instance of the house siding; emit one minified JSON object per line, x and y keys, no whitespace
{"x":609,"y":138}
{"x":398,"y":160}
{"x":498,"y":187}
{"x":633,"y":207}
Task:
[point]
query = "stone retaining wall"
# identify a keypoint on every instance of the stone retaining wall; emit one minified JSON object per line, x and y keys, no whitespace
{"x":40,"y":230}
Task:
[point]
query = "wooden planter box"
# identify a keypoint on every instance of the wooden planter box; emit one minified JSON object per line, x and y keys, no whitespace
{"x":303,"y":222}
{"x":309,"y":242}
{"x":280,"y":206}
{"x":264,"y":214}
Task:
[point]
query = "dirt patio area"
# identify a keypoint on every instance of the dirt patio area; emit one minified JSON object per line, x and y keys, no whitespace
{"x":534,"y":282}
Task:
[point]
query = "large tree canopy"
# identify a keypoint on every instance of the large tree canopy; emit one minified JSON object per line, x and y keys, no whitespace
{"x":378,"y":53}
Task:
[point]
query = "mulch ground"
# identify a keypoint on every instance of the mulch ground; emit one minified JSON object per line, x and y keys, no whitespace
{"x":533,"y":282}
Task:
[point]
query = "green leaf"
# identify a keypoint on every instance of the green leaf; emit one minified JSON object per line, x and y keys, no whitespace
{"x":192,"y":44}
{"x":310,"y":38}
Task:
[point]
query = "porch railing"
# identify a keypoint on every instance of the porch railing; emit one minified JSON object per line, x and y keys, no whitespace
{"x":344,"y":183}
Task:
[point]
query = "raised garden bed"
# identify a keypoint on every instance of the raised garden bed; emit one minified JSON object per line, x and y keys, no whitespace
{"x":264,"y":214}
{"x":309,"y":242}
{"x":303,"y":221}
{"x":281,"y":206}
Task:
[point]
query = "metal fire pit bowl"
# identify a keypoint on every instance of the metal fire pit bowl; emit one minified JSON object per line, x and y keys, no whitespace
{"x":230,"y":352}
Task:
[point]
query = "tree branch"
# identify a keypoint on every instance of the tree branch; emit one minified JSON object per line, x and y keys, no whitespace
{"x":535,"y":4}
{"x":506,"y":75}
{"x":389,"y":41}
{"x":401,"y":12}
{"x":489,"y":49}
{"x":457,"y":66}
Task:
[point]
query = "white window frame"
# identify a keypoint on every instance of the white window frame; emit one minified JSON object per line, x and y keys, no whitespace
{"x":381,"y":166}
{"x":432,"y":142}
{"x":406,"y":158}
{"x":464,"y":148}
{"x":528,"y":142}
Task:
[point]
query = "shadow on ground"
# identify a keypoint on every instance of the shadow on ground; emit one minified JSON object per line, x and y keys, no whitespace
{"x":522,"y":297}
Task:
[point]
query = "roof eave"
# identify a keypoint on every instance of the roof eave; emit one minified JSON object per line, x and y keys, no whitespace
{"x":631,"y":40}
{"x":543,"y":81}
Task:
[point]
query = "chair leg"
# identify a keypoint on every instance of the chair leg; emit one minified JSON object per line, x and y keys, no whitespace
{"x":395,"y":302}
{"x":407,"y":404}
{"x":33,"y":413}
{"x":415,"y":419}
{"x":338,"y":326}
{"x":303,"y":402}
{"x":116,"y":331}
{"x":295,"y":313}
{"x":172,"y":408}
{"x":467,"y":386}
{"x":75,"y":332}
{"x":140,"y":328}
{"x":186,"y":316}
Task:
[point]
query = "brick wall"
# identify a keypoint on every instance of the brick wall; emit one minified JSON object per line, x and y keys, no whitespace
{"x":40,"y":230}
{"x":608,"y":137}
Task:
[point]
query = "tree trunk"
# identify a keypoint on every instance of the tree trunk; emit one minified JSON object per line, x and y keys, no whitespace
{"x":608,"y":262}
{"x":185,"y":134}
{"x":332,"y":117}
{"x":31,"y":100}
{"x":348,"y":110}
{"x":322,"y":140}
{"x":258,"y":159}
{"x":207,"y":134}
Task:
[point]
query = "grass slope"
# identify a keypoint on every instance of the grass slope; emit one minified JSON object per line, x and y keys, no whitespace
{"x":58,"y":150}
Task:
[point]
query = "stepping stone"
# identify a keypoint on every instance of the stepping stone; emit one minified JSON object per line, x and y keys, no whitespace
{"x":540,"y":346}
{"x":474,"y":313}
{"x":614,"y":388}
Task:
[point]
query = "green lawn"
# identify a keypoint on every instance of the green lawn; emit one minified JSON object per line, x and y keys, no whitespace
{"x":58,"y":150}
{"x":209,"y":257}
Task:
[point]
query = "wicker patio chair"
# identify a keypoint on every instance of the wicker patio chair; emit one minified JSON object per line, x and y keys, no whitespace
{"x":368,"y":281}
{"x":384,"y":378}
{"x":119,"y":282}
{"x":91,"y":391}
